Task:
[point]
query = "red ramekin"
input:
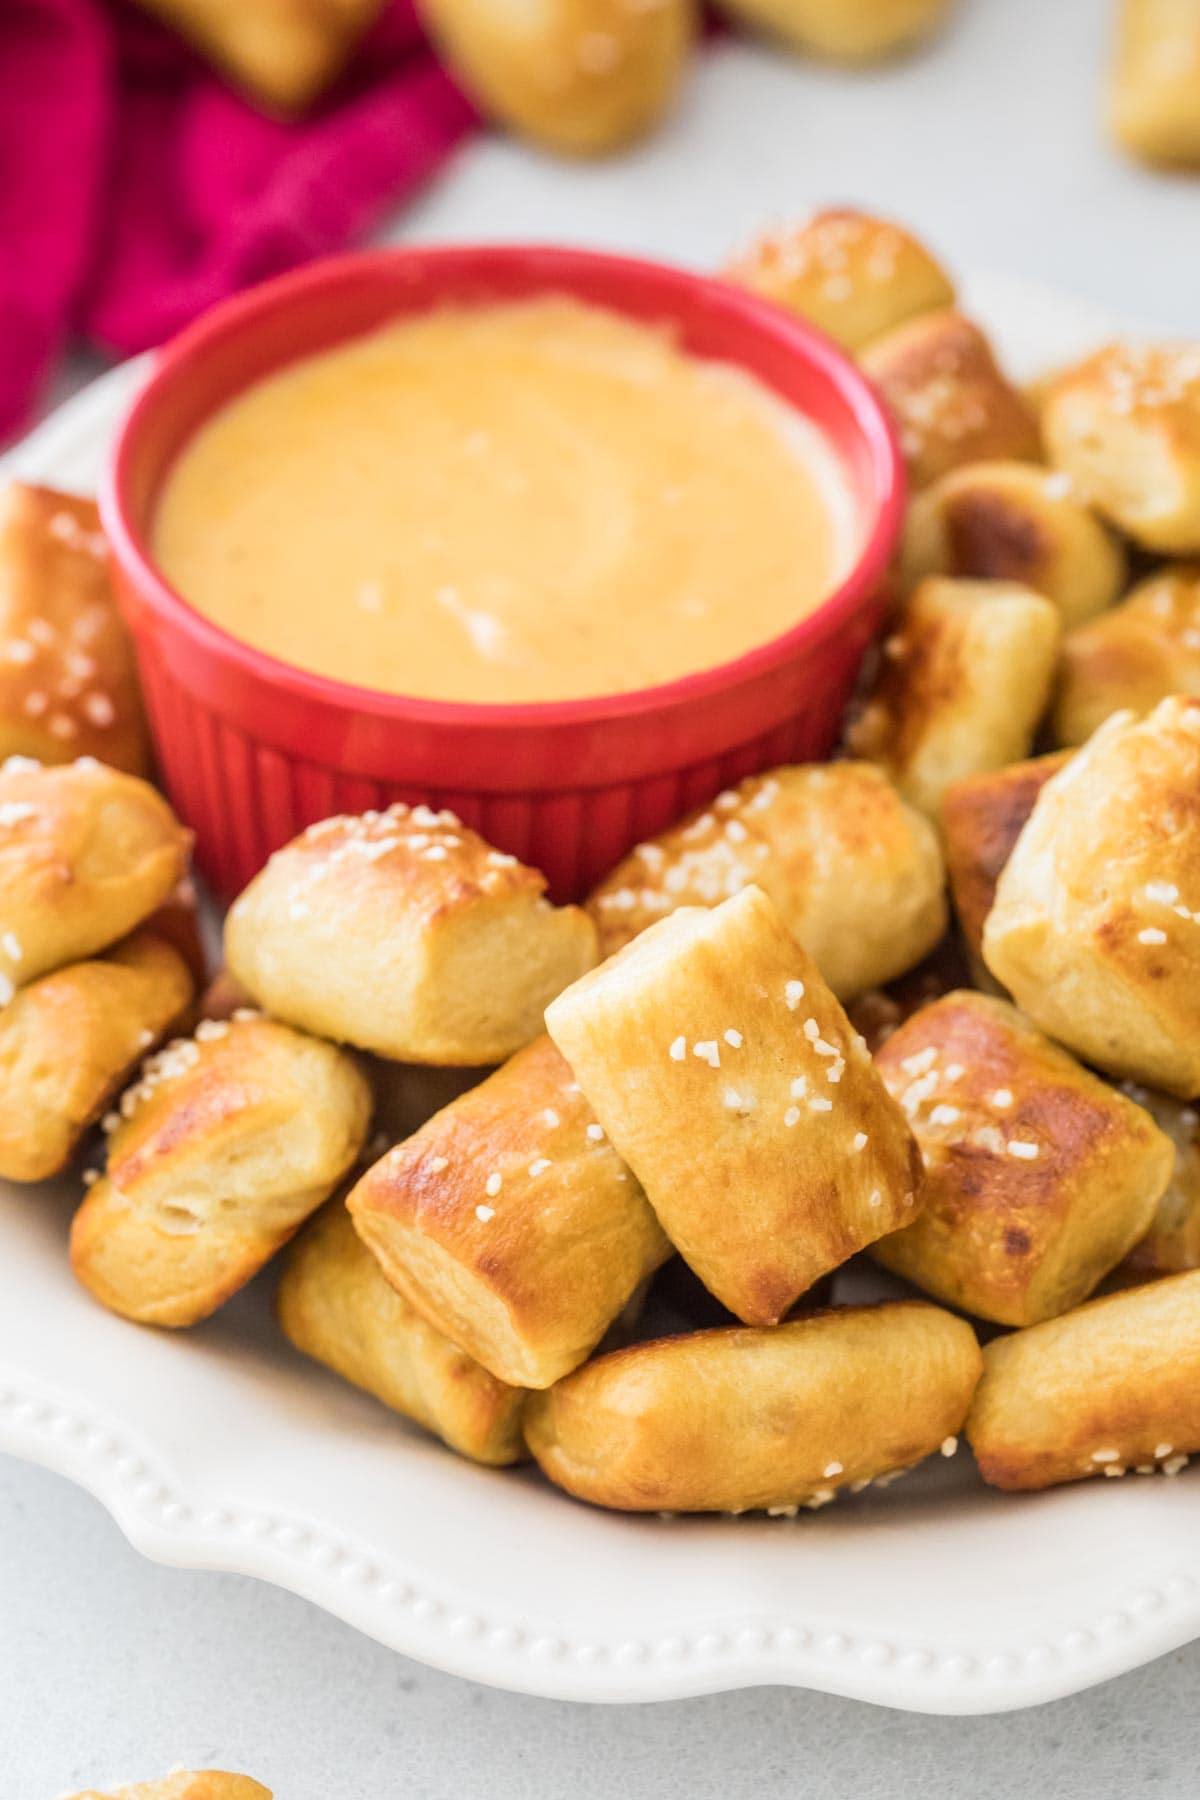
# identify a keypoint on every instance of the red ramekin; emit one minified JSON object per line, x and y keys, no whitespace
{"x":252,"y":750}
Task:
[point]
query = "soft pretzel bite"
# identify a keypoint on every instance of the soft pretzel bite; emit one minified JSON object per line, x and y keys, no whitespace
{"x":86,"y":854}
{"x":1013,"y":521}
{"x":982,"y":818}
{"x":729,"y":1078}
{"x":1039,"y":1177}
{"x":963,"y":680}
{"x":1172,"y":1243}
{"x":852,"y":275}
{"x":71,"y":1039}
{"x":402,"y":932}
{"x":734,"y":1419}
{"x":580,"y":77}
{"x":1124,"y":424}
{"x":196,"y":1784}
{"x":940,"y":381}
{"x":68,"y":684}
{"x":845,"y":31}
{"x":280,"y":52}
{"x":1112,"y":1387}
{"x":226,"y":1144}
{"x":856,"y":873}
{"x":1095,"y":931}
{"x":1142,"y":651}
{"x":511,"y":1223}
{"x":1154,"y":96}
{"x":336,"y":1305}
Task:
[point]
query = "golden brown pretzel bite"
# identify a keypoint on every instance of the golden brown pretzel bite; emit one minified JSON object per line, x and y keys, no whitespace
{"x":729,"y":1078}
{"x":336,"y":1305}
{"x":1112,"y":1387}
{"x":1144,"y":650}
{"x":86,"y":854}
{"x":852,"y":275}
{"x":963,"y":680}
{"x":855,"y":872}
{"x":982,"y":818}
{"x":71,"y":1039}
{"x":282,"y":52}
{"x":1013,"y":521}
{"x":1039,"y":1177}
{"x":1153,"y":107}
{"x":849,"y":31}
{"x":224,"y":1147}
{"x":1125,"y":426}
{"x":1095,"y":931}
{"x":68,"y":685}
{"x":404,"y":933}
{"x":196,"y":1784}
{"x":511,"y":1223}
{"x":729,"y":1420}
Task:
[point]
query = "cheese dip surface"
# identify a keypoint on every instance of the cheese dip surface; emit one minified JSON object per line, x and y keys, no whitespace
{"x":537,"y":500}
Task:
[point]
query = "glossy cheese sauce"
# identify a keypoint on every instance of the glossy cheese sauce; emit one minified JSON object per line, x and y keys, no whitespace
{"x":530,"y":501}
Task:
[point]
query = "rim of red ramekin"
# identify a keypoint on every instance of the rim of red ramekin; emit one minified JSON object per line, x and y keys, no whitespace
{"x":243,"y":311}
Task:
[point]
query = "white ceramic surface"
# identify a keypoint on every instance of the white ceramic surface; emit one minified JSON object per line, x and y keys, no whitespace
{"x":222,"y":1449}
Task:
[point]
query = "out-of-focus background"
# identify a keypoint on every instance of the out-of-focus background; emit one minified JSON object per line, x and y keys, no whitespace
{"x":991,"y":141}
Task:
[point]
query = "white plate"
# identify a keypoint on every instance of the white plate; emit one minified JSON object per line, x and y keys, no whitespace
{"x":222,"y":1449}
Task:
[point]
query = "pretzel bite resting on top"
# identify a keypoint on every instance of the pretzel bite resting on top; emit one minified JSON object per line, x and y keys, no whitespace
{"x":855,"y":872}
{"x":851,"y":275}
{"x":1039,"y":1177}
{"x":1110,"y":1388}
{"x":68,"y":684}
{"x":219,"y":1152}
{"x":963,"y":680}
{"x":729,"y":1420}
{"x":1125,"y":426}
{"x":1012,"y":521}
{"x":402,"y":932}
{"x":70,"y":1040}
{"x":729,"y":1078}
{"x":1141,"y":652}
{"x":86,"y":854}
{"x":951,"y":403}
{"x":510,"y":1222}
{"x":336,"y":1305}
{"x":1096,"y":927}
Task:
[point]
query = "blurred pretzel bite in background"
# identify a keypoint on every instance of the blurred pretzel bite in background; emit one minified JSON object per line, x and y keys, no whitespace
{"x":1096,"y":927}
{"x":199,"y":1784}
{"x":729,"y":1420}
{"x":730,"y":1080}
{"x":1111,"y":1388}
{"x":1172,"y":1244}
{"x":404,"y":933}
{"x":336,"y":1305}
{"x":68,"y":685}
{"x":282,"y":52}
{"x":1124,"y":424}
{"x":582,"y":77}
{"x":71,"y":1039}
{"x":1039,"y":1177}
{"x":960,"y":687}
{"x":851,"y":275}
{"x":1144,"y":650}
{"x":225,"y":1145}
{"x":1013,"y":521}
{"x":86,"y":854}
{"x":940,"y":380}
{"x":855,"y":872}
{"x":1154,"y":101}
{"x":848,"y":31}
{"x":982,"y":818}
{"x":510,"y":1222}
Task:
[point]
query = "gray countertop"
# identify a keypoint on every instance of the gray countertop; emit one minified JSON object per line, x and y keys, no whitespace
{"x":112,"y":1668}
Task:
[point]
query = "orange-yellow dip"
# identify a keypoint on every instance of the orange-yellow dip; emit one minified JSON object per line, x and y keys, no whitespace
{"x":527,"y":501}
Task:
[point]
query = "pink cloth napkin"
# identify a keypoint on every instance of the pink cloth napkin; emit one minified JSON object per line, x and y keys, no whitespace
{"x":136,"y":189}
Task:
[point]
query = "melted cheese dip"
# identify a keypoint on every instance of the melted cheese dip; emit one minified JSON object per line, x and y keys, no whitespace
{"x":528,"y":501}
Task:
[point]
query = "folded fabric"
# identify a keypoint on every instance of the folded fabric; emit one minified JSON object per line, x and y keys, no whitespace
{"x":136,"y":188}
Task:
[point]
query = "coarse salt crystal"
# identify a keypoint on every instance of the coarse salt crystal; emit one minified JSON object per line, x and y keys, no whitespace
{"x":793,"y":993}
{"x":484,"y":1213}
{"x":678,"y":1049}
{"x":493,"y":1184}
